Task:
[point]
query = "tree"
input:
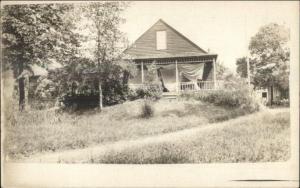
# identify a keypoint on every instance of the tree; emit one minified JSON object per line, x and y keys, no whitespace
{"x":32,"y":34}
{"x":104,"y":20}
{"x":241,"y":67}
{"x":270,"y":56}
{"x":222,"y":72}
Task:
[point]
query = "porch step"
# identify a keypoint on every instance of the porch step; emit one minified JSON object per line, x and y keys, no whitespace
{"x":170,"y":95}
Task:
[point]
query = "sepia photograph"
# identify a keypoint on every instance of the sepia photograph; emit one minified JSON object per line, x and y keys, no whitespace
{"x":149,"y":83}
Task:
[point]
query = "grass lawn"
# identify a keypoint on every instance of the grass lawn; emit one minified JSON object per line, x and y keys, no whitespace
{"x":45,"y":131}
{"x":263,"y":137}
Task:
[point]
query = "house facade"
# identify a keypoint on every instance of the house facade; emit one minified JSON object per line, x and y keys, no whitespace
{"x":181,"y":65}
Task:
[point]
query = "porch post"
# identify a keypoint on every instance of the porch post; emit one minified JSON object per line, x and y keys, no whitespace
{"x":177,"y":79}
{"x":214,"y":66}
{"x":142,"y":69}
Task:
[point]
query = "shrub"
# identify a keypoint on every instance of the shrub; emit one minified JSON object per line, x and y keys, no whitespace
{"x":235,"y":94}
{"x":147,"y":109}
{"x":233,"y":99}
{"x":80,"y":101}
{"x":153,"y":92}
{"x":280,"y":103}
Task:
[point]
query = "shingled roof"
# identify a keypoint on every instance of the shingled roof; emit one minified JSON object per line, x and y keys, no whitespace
{"x":177,"y":44}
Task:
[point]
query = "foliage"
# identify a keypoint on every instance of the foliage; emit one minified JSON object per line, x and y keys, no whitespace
{"x":79,"y":81}
{"x":280,"y":103}
{"x":241,"y":66}
{"x":270,"y":56}
{"x":34,"y":33}
{"x":147,"y":109}
{"x":153,"y":92}
{"x":114,"y":84}
{"x":101,"y":22}
{"x":46,"y":89}
{"x":222,"y":72}
{"x":151,"y":89}
{"x":235,"y":94}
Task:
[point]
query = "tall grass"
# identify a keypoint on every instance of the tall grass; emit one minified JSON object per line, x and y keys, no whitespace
{"x":263,"y":138}
{"x":42,"y":131}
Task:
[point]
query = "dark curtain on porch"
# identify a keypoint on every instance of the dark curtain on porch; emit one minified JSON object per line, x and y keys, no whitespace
{"x":186,"y":72}
{"x":191,"y":72}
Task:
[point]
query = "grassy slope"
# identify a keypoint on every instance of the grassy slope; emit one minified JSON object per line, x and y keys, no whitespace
{"x":263,"y":138}
{"x":45,"y":131}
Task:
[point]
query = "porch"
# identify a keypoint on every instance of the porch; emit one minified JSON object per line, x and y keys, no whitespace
{"x":178,"y":74}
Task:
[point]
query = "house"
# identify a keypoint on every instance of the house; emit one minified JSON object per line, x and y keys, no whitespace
{"x":181,"y":64}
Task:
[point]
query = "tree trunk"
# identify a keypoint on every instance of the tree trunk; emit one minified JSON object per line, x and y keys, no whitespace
{"x":125,"y":78}
{"x":100,"y":96}
{"x":271,"y":102}
{"x":21,"y":88}
{"x":99,"y":63}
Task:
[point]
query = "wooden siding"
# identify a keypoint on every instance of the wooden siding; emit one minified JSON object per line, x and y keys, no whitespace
{"x":177,"y":44}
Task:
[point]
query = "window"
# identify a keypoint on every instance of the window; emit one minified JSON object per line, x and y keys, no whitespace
{"x":161,"y":40}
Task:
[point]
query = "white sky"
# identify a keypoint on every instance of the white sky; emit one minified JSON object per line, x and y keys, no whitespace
{"x":223,"y":27}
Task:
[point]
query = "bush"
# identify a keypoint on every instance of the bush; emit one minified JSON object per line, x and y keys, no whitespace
{"x":233,"y":99}
{"x":280,"y":103}
{"x":235,"y":94}
{"x":80,"y":101}
{"x":147,"y":110}
{"x":153,"y":92}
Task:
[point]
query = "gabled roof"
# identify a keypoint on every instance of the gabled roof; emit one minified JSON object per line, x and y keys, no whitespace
{"x":177,"y":44}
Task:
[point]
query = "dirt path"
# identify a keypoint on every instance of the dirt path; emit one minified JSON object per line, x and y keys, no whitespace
{"x":80,"y":155}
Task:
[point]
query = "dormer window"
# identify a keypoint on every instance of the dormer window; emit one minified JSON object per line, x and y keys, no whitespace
{"x":161,"y":40}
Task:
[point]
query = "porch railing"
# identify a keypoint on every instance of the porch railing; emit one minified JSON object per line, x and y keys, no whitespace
{"x":188,"y":86}
{"x":200,"y":85}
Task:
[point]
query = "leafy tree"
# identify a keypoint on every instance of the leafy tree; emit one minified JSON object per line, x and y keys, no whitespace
{"x":31,"y":34}
{"x":222,"y":72}
{"x":241,"y":67}
{"x":270,"y":56}
{"x":102,"y":21}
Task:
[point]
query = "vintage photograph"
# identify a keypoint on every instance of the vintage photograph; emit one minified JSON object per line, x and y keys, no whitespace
{"x":112,"y":82}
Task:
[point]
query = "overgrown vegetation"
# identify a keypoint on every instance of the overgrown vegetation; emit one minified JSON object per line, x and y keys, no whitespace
{"x":147,"y":109}
{"x":269,"y":61}
{"x":262,"y":137}
{"x":39,"y":131}
{"x":234,"y":94}
{"x":151,"y":92}
{"x":36,"y":34}
{"x":227,"y":98}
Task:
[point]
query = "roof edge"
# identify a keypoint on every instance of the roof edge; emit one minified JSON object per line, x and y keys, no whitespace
{"x":144,"y":58}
